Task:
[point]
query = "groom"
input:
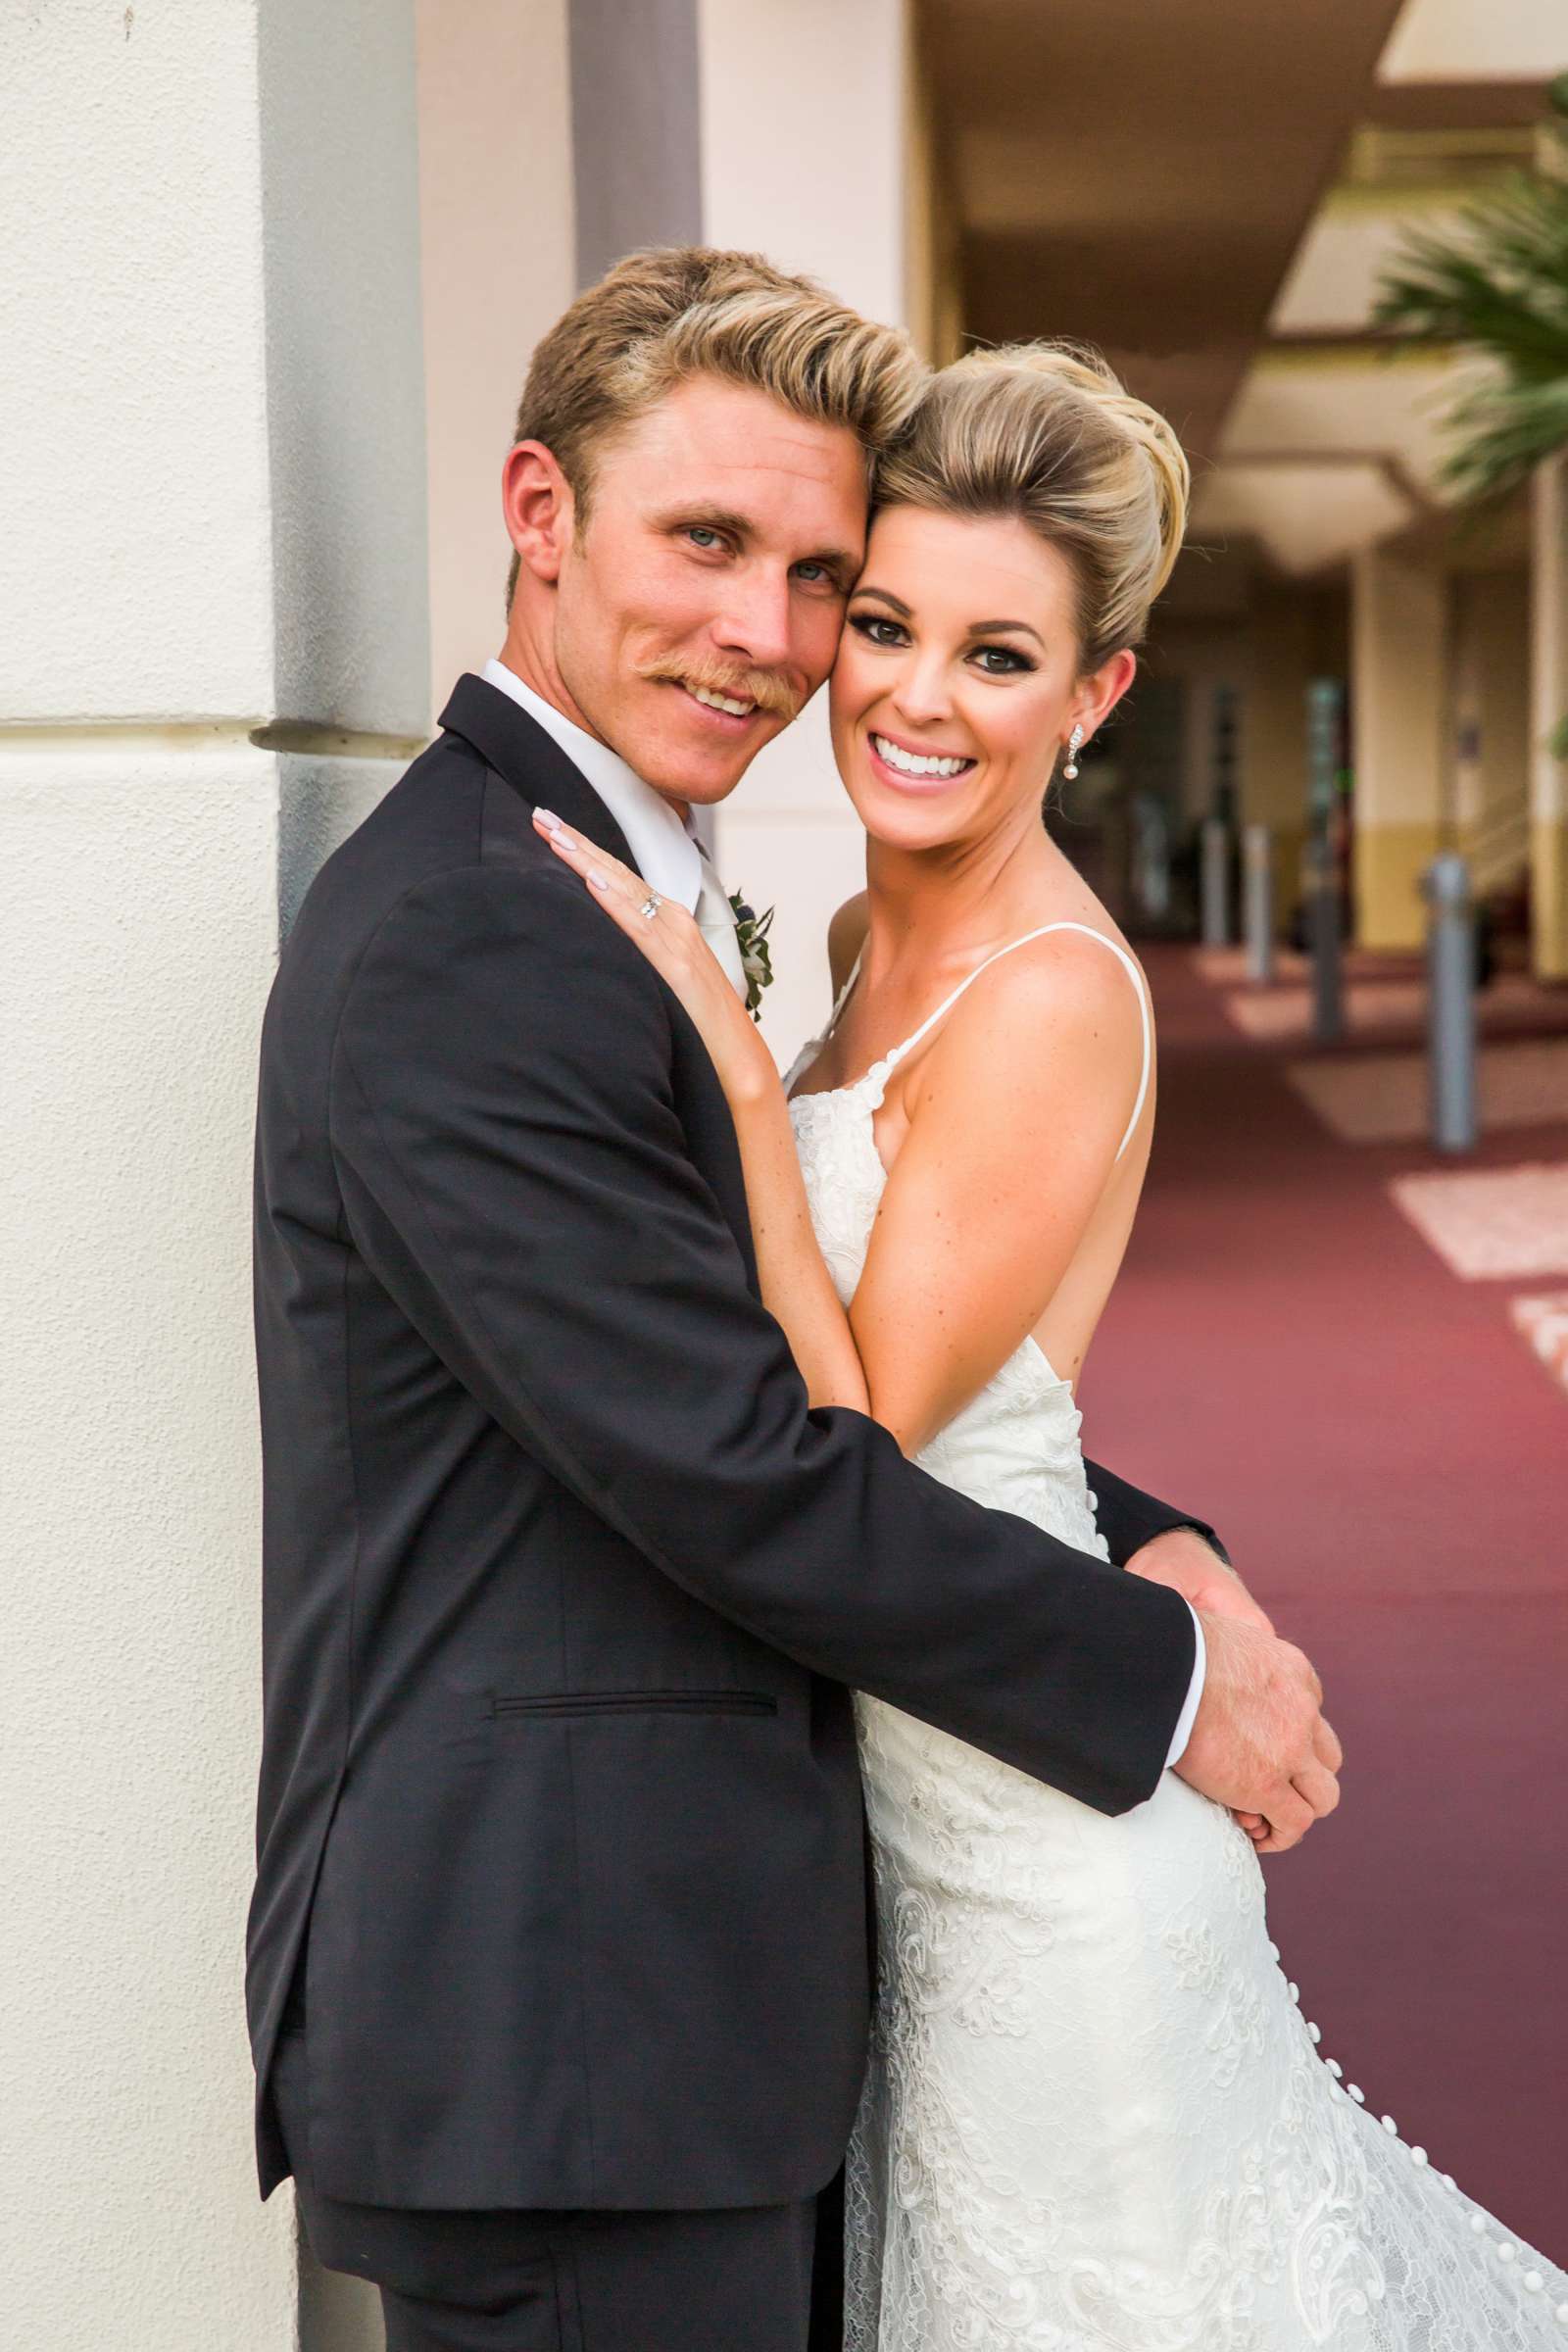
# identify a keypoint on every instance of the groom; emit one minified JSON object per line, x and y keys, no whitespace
{"x":558,"y":1948}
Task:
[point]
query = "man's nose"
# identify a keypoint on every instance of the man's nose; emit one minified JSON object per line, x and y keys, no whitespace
{"x":754,"y":623}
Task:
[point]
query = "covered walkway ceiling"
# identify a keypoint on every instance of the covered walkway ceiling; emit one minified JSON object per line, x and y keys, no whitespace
{"x":1138,"y":172}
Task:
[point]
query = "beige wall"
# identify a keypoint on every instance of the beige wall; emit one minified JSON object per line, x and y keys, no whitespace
{"x":1490,"y":627}
{"x":815,"y":177}
{"x":1402,"y":740}
{"x":1282,"y":657}
{"x":496,"y":235}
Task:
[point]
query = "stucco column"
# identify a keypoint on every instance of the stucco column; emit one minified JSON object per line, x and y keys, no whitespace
{"x":1398,"y":718}
{"x":1281,"y":645}
{"x":805,"y":127}
{"x":1491,"y":701}
{"x":214,"y":586}
{"x":1549,"y":708}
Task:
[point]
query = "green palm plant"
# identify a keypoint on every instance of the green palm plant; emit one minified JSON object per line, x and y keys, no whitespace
{"x":1498,"y":283}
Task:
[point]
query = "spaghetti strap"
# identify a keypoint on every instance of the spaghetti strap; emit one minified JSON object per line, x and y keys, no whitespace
{"x":898,"y":1053}
{"x":843,"y":997}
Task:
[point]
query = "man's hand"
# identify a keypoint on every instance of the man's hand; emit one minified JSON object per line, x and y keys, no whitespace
{"x":1260,"y":1744}
{"x":1193,"y":1568}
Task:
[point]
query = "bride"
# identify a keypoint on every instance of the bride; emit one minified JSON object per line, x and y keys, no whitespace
{"x":1094,"y":2116}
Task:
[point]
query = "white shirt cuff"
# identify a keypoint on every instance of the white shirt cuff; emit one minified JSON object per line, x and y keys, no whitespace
{"x":1195,"y":1692}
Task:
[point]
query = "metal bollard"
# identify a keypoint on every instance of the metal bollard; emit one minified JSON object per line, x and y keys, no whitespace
{"x":1257,"y":857}
{"x":1451,"y":1004}
{"x":1325,"y":942}
{"x":1215,"y":883}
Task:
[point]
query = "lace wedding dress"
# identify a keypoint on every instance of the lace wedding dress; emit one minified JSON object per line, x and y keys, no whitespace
{"x":1096,"y":2116}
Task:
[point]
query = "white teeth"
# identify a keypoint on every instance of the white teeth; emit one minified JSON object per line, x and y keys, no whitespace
{"x":918,"y":763}
{"x":722,"y":702}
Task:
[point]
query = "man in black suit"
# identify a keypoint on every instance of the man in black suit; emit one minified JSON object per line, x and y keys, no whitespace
{"x":557,"y":1954}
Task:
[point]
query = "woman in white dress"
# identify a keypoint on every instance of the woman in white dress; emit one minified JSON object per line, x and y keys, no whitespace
{"x":1094,"y":2115}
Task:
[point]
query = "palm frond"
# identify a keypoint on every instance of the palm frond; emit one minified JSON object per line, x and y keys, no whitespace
{"x":1496,"y":283}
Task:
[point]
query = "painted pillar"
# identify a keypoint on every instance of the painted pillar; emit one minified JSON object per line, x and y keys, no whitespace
{"x":213,"y":575}
{"x":1491,"y":725}
{"x":1400,"y":743}
{"x":497,"y":236}
{"x":1273,"y":761}
{"x":804,"y":141}
{"x":1548,"y":715}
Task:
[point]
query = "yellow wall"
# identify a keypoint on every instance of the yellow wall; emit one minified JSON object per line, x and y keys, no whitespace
{"x":1399,"y":611}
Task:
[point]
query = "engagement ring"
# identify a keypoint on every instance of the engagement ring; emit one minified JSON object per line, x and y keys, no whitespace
{"x":651,"y":904}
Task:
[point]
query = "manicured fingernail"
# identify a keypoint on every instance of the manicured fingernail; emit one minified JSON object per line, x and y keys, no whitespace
{"x":547,"y":820}
{"x":598,"y":881}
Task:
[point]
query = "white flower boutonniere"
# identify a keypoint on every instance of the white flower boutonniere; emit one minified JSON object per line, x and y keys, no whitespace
{"x":757,"y":962}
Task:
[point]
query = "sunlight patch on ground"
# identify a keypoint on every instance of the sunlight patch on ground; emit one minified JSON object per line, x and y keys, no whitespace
{"x":1491,"y":1222}
{"x":1382,"y":1097}
{"x":1544,"y":1325}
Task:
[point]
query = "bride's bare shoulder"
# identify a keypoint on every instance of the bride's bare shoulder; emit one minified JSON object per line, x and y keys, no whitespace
{"x":1058,"y":1010}
{"x":846,"y":937}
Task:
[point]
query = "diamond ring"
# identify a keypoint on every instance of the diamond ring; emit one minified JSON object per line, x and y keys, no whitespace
{"x":651,"y":904}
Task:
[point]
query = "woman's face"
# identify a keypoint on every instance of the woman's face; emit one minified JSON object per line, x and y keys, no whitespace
{"x":958,"y":677}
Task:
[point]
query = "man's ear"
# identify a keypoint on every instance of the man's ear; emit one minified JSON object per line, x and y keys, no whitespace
{"x":539,"y":509}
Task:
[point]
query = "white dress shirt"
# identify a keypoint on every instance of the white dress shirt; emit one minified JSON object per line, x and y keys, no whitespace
{"x":672,"y":861}
{"x":664,"y":849}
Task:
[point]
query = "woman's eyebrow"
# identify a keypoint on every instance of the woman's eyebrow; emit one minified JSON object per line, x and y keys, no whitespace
{"x":866,"y":588}
{"x":992,"y":628}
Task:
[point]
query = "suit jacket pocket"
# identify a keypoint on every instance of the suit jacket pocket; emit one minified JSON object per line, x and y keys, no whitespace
{"x":633,"y":1703}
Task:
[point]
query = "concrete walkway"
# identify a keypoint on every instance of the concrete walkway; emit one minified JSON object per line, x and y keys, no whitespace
{"x":1388,"y":1460}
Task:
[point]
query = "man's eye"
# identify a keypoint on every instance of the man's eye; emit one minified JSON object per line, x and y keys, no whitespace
{"x":817,"y":575}
{"x":702,"y":536}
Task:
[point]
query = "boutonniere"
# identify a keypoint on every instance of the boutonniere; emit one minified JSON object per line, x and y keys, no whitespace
{"x":757,"y":962}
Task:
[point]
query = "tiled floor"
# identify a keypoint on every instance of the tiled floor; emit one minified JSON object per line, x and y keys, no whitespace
{"x":1383,"y":1097}
{"x":1543,"y":1323}
{"x":1489,"y":1222}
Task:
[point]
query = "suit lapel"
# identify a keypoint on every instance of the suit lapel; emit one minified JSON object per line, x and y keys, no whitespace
{"x":533,"y":765}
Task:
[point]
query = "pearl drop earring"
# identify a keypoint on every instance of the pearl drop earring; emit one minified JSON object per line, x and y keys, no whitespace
{"x":1071,"y":768}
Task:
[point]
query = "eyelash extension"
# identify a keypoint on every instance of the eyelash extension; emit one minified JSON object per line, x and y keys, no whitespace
{"x":1020,"y":663}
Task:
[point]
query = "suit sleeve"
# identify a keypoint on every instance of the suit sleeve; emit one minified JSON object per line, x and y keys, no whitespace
{"x":514,"y":1172}
{"x":1128,"y":1518}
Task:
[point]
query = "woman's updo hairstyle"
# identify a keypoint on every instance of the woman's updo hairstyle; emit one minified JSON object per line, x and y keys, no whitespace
{"x":1046,"y":432}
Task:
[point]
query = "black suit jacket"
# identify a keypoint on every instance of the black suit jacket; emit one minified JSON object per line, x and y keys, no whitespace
{"x":560,"y":1820}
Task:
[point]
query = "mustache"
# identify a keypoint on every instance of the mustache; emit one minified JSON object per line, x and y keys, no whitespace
{"x":769,"y":691}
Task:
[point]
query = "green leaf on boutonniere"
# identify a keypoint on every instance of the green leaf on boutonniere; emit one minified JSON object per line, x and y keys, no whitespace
{"x":757,"y":962}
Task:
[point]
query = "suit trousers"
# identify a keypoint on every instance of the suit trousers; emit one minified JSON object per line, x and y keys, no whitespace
{"x":752,"y":2279}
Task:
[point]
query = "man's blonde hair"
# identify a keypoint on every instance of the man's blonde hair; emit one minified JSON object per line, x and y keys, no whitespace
{"x":1048,"y":432}
{"x":675,"y":311}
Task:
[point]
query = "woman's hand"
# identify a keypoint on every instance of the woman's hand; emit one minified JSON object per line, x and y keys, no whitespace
{"x":679,"y":954}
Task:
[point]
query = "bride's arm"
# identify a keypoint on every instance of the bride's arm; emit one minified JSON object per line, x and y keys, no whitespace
{"x":796,"y":1288}
{"x":1016,"y":1113}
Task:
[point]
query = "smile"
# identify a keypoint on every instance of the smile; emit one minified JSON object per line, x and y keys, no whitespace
{"x":729,"y":705}
{"x":904,"y":763}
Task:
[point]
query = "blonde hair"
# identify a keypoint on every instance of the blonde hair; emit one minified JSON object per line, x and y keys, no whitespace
{"x":664,"y":315}
{"x":1049,"y":434}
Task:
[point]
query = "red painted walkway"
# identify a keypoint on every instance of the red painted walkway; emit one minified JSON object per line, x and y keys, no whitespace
{"x":1390,"y":1467}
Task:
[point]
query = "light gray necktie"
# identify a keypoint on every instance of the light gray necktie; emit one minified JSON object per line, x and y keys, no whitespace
{"x":715,"y":920}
